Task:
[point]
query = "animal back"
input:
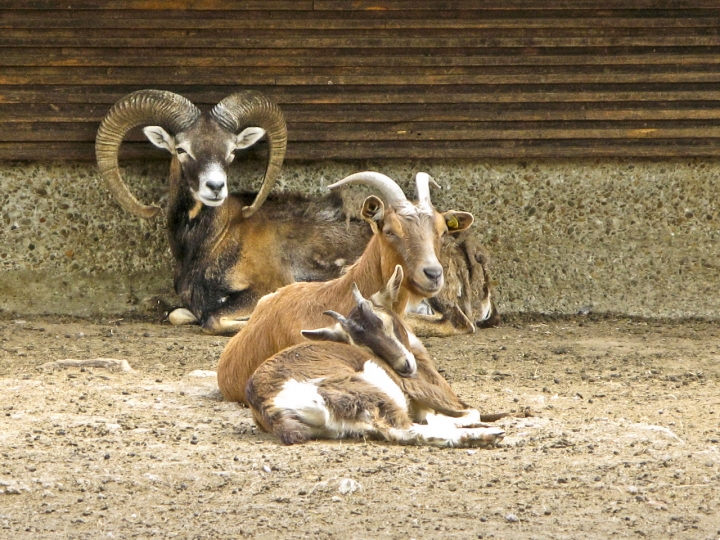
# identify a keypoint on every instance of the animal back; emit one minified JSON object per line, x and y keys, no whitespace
{"x":275,"y":325}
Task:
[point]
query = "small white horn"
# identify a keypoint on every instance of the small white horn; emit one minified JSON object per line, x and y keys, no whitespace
{"x":422,"y":183}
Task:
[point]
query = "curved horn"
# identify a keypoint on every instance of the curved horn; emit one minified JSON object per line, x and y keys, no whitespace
{"x":252,"y":108}
{"x":422,"y":183}
{"x":144,"y":107}
{"x":335,"y":315}
{"x":384,"y":184}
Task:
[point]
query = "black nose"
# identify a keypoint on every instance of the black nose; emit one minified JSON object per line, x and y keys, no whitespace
{"x":433,"y":272}
{"x":407,"y":370}
{"x":215,"y":186}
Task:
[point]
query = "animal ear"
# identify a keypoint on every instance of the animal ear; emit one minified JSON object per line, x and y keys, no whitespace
{"x":160,"y":138}
{"x":336,"y":334}
{"x":373,"y":211}
{"x":388,"y":295}
{"x":395,"y":282}
{"x":248,"y":136}
{"x":357,"y":295}
{"x":458,"y":221}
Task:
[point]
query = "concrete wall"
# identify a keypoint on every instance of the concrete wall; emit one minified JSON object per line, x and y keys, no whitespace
{"x":636,"y":237}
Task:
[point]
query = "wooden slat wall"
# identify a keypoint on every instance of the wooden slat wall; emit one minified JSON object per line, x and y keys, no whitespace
{"x":377,"y":79}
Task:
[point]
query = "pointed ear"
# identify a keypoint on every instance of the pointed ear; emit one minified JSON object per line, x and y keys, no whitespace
{"x":387,"y":296}
{"x":248,"y":136}
{"x":336,"y":334}
{"x":160,"y":138}
{"x":458,"y":221}
{"x":373,"y":211}
{"x":394,"y":283}
{"x":357,"y":295}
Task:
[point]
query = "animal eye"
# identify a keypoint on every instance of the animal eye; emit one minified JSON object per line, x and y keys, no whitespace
{"x":180,"y":151}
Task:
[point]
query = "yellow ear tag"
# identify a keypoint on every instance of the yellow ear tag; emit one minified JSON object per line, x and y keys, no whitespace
{"x":453,"y":223}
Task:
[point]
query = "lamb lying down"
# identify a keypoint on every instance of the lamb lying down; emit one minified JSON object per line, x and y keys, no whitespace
{"x":345,"y":383}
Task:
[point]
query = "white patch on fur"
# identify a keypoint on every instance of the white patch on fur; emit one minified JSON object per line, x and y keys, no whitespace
{"x":415,"y":343}
{"x":471,"y":417}
{"x":340,"y":262}
{"x":378,"y":377}
{"x":423,"y":308}
{"x":305,"y":400}
{"x":410,"y":360}
{"x":341,"y":429}
{"x":446,"y":435}
{"x":216,"y":174}
{"x":406,"y":209}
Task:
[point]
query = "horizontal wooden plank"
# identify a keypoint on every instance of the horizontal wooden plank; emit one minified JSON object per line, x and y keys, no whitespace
{"x":306,"y":20}
{"x":355,"y":5}
{"x":134,"y":76}
{"x":366,"y":76}
{"x":148,"y":5}
{"x":416,"y":131}
{"x":377,"y":78}
{"x":66,"y":23}
{"x":63,"y":151}
{"x":423,"y":133}
{"x":293,"y":21}
{"x":534,"y":78}
{"x":367,"y":36}
{"x":505,"y":149}
{"x":307,"y":58}
{"x":179,"y":39}
{"x":374,"y":37}
{"x":520,"y":16}
{"x":389,"y":5}
{"x":380,"y":94}
{"x":411,"y":113}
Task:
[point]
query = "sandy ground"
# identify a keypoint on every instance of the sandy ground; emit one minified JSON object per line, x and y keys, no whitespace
{"x":624,"y":441}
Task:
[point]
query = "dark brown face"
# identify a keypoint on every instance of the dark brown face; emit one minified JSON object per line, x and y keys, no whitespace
{"x":205,"y":151}
{"x":379,"y":330}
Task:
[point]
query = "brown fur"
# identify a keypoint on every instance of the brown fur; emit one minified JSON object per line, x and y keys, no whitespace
{"x":228,"y":251}
{"x":329,"y":376}
{"x":348,"y":396}
{"x":279,"y":317}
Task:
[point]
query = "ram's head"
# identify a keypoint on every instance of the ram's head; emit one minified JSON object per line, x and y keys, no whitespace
{"x":202,"y":143}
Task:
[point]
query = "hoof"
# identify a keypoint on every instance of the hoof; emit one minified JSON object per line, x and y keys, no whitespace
{"x":181,"y":316}
{"x":482,"y":437}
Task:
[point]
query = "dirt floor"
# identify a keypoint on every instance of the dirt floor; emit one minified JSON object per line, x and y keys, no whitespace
{"x":625,"y":441}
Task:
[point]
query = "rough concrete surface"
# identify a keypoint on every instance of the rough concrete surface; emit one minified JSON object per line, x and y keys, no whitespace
{"x":638,"y":237}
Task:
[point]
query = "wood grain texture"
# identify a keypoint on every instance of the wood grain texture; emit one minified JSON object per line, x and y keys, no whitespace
{"x":376,"y":79}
